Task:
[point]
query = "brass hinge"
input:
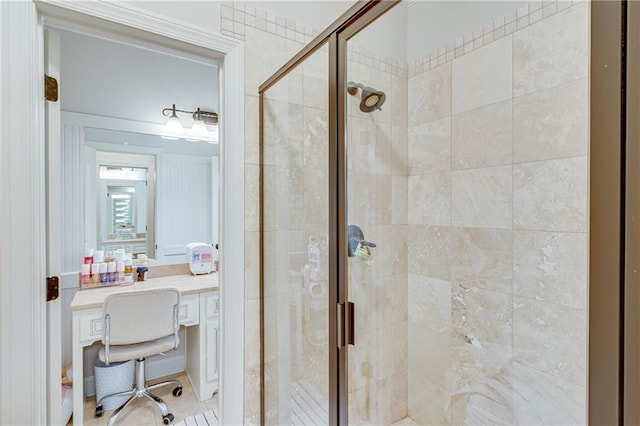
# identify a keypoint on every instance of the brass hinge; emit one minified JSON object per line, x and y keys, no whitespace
{"x":50,"y":88}
{"x":52,"y":288}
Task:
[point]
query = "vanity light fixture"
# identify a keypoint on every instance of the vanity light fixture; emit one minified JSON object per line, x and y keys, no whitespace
{"x":199,"y":130}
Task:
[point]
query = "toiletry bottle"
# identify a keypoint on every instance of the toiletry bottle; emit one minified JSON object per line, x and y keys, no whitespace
{"x":104,"y":274}
{"x":108,"y":256}
{"x":112,"y":272}
{"x":142,"y":272}
{"x":95,"y":274}
{"x":88,"y":256}
{"x":98,"y":256}
{"x":128,"y":270}
{"x":120,"y":272}
{"x":85,"y":277}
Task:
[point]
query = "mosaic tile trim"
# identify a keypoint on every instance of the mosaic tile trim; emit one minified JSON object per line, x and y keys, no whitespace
{"x":523,"y":17}
{"x":386,"y":64}
{"x":236,"y":16}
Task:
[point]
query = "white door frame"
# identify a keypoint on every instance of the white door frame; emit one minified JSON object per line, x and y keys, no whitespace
{"x":22,"y":176}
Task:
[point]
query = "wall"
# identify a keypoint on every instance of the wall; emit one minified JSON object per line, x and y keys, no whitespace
{"x":433,"y":24}
{"x":267,"y":46}
{"x":196,"y":14}
{"x":132,"y":75}
{"x":497,"y":195}
{"x":185,"y":186}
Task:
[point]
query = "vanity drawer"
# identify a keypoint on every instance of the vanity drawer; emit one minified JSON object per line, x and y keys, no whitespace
{"x":212,"y":304}
{"x":91,"y":325}
{"x":188,"y":312}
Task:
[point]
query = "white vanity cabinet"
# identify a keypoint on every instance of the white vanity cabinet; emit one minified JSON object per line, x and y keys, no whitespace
{"x":198,"y":313}
{"x":203,"y":347}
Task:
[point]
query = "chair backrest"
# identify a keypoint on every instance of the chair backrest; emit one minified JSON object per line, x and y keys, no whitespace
{"x":141,"y":316}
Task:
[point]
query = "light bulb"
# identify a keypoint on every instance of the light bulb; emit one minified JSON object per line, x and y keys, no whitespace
{"x":198,"y":130}
{"x":173,"y":128}
{"x":213,"y":135}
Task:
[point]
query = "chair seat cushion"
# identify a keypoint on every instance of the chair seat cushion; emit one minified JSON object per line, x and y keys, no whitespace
{"x":118,"y":353}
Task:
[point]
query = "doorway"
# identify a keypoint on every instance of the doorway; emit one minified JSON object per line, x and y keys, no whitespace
{"x":25,"y":165}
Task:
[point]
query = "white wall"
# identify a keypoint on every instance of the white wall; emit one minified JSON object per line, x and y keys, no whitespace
{"x":107,"y":78}
{"x":432,"y":24}
{"x":203,"y":15}
{"x":318,"y":14}
{"x":387,"y":36}
{"x":185,"y":189}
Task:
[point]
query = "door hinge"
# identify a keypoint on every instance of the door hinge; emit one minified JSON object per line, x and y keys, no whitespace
{"x":50,"y":88}
{"x":346,"y":324}
{"x":52,"y":288}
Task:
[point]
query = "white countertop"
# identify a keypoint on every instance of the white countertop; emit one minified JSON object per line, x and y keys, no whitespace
{"x":186,"y":284}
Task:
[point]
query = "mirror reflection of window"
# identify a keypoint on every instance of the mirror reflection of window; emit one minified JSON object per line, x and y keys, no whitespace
{"x":125,"y":193}
{"x":122,"y":209}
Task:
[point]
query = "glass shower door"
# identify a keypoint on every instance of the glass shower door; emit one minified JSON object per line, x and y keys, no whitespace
{"x":295,"y":304}
{"x":466,"y":213}
{"x":376,"y":158}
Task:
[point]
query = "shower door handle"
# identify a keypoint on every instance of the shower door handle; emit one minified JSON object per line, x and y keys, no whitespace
{"x":345,"y":319}
{"x":350,"y":327}
{"x":340,"y":325}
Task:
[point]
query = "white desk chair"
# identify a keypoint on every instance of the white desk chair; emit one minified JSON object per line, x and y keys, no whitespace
{"x":138,"y":324}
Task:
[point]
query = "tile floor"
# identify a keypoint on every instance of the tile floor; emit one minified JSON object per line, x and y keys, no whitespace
{"x":144,"y":412}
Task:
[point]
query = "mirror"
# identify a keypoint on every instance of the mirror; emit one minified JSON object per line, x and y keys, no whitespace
{"x":123,"y":211}
{"x":150,"y":195}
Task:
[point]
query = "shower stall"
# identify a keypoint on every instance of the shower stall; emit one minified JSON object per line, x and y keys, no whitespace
{"x":424,"y":206}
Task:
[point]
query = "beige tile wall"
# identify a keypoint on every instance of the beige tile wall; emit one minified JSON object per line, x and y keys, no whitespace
{"x":269,"y":42}
{"x":473,"y":180}
{"x":497,"y":285}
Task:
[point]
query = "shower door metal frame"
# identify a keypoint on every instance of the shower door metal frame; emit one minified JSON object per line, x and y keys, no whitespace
{"x":631,"y":289}
{"x":613,"y":385}
{"x":335,"y":36}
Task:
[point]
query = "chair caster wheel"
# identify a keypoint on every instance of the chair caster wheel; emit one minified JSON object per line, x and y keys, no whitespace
{"x":167,"y":419}
{"x":99,"y":411}
{"x":177,"y":391}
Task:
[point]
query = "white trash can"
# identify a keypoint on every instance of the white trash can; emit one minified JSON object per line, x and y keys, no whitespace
{"x":113,"y":378}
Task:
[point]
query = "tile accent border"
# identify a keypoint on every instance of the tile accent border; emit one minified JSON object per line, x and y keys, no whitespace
{"x":523,"y":17}
{"x":236,"y":15}
{"x":386,"y":64}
